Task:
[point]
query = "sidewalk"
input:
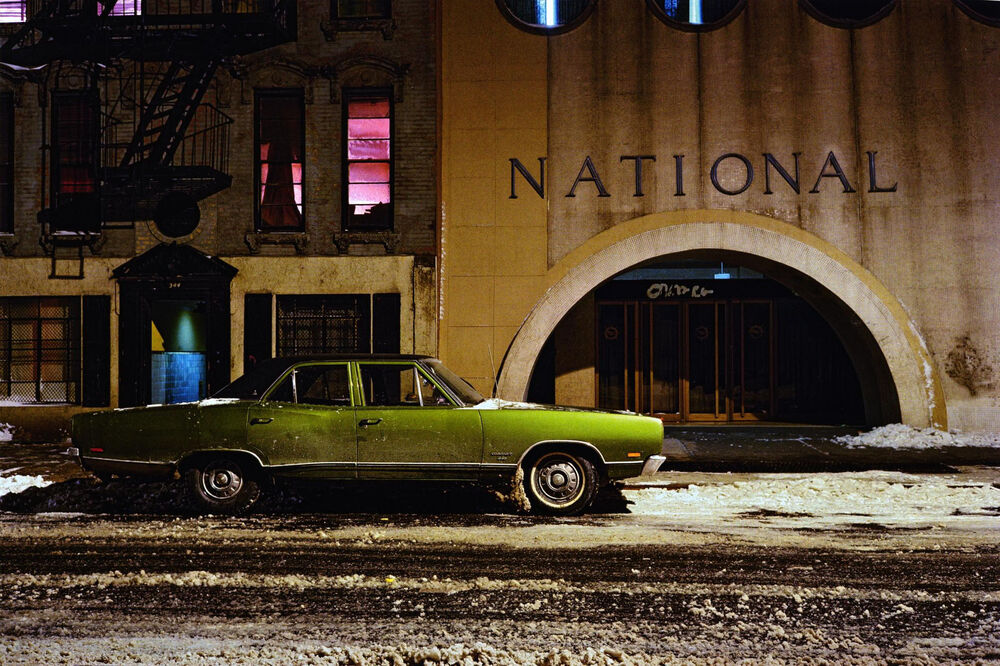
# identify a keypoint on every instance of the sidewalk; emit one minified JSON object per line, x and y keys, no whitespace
{"x":802,"y":449}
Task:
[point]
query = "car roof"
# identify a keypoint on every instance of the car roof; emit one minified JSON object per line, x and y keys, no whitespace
{"x":304,"y":358}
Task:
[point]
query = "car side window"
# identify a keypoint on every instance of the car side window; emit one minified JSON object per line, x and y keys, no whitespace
{"x":323,"y":385}
{"x":315,"y":385}
{"x":399,"y":385}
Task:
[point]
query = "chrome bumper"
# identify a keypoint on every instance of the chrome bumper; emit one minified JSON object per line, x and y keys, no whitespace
{"x":652,"y":464}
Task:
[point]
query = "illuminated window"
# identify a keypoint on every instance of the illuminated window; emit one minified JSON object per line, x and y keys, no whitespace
{"x":848,"y":13}
{"x":280,"y":154}
{"x":546,"y":16}
{"x":127,"y":8}
{"x":361,"y":9}
{"x":40,"y":350}
{"x":74,"y":142}
{"x":696,"y":15}
{"x":13,"y":11}
{"x":367,"y":159}
{"x":6,"y":163}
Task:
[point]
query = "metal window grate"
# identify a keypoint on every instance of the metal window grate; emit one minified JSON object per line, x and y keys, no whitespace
{"x":323,"y":324}
{"x":40,"y":350}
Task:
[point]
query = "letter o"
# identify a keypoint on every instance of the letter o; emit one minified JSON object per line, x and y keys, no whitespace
{"x":715,"y":174}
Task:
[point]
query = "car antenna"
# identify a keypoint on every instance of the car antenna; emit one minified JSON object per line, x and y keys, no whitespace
{"x":493,"y":368}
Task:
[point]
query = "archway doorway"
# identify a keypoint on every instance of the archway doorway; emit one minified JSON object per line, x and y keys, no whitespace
{"x":706,"y":338}
{"x":898,"y":377}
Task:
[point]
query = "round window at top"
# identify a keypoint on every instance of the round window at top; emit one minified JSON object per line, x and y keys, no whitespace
{"x":848,"y":13}
{"x":987,"y":11}
{"x":546,"y":17}
{"x":696,"y":15}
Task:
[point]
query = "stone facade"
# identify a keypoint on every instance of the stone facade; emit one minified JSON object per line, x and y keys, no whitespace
{"x":891,"y":127}
{"x":328,"y":55}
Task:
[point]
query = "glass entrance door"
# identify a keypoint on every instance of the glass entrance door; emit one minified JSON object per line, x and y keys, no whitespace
{"x":687,"y":361}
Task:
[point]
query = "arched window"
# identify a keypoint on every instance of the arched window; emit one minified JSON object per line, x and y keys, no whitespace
{"x":696,"y":15}
{"x":546,"y":16}
{"x":848,"y":13}
{"x":987,"y":11}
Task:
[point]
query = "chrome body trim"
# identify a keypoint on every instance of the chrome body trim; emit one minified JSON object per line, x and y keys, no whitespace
{"x":652,"y":464}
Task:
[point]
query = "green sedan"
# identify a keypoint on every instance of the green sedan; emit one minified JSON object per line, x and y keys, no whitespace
{"x":368,"y":417}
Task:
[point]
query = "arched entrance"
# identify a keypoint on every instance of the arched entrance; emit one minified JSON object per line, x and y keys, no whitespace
{"x":872,"y":325}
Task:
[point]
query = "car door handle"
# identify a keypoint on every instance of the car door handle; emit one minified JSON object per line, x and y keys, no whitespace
{"x":364,"y":423}
{"x":260,"y":421}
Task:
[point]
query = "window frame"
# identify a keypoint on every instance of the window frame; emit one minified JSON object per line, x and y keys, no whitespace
{"x":975,"y":15}
{"x":847,"y":24}
{"x":71,"y":349}
{"x":4,"y":21}
{"x":7,"y":171}
{"x":57,"y":142}
{"x":537,"y":29}
{"x":348,"y":95}
{"x":297,"y":94}
{"x":655,"y":6}
{"x":335,"y":13}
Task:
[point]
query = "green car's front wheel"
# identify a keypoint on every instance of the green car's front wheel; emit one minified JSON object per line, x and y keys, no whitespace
{"x":560,"y":483}
{"x":223,"y":485}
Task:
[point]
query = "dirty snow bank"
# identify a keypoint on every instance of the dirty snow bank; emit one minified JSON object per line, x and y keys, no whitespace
{"x":899,"y":436}
{"x":889,"y":496}
{"x":6,"y":432}
{"x":20,"y":482}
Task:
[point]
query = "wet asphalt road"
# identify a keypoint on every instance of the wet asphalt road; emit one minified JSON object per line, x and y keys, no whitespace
{"x":87,"y":589}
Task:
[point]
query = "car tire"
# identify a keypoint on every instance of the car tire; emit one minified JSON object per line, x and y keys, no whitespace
{"x":560,"y":483}
{"x":223,"y":485}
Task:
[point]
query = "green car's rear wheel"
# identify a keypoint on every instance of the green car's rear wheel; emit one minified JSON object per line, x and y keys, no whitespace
{"x":223,"y":485}
{"x":560,"y":483}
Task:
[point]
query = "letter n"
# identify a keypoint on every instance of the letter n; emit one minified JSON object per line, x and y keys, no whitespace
{"x":537,"y":185}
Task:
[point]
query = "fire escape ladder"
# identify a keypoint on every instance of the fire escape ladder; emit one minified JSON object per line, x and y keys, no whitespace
{"x":168,"y":113}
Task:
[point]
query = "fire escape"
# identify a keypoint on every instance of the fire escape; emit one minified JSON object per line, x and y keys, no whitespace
{"x":149,"y":148}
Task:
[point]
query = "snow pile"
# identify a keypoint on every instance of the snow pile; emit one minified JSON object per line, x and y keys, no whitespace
{"x":899,"y":436}
{"x":888,"y":496}
{"x":20,"y":482}
{"x":6,"y":432}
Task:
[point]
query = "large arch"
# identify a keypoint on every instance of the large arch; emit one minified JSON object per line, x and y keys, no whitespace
{"x":920,"y":394}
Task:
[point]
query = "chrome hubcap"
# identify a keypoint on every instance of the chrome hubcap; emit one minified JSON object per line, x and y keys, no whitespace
{"x":221,"y":482}
{"x":557,"y":479}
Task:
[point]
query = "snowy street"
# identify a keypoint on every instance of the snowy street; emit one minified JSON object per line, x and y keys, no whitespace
{"x":682,"y":567}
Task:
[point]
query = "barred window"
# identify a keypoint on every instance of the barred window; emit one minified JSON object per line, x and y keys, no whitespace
{"x":40,"y":350}
{"x":323,"y":324}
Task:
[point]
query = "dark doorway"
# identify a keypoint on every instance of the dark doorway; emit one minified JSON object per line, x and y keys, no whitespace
{"x":173,"y":326}
{"x":697,"y":341}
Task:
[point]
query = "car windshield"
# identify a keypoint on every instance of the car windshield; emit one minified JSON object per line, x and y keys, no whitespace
{"x":462,"y":388}
{"x":252,"y":385}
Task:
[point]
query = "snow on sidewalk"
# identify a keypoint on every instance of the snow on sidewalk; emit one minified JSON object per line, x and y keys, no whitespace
{"x":20,"y":482}
{"x":899,"y":436}
{"x":823,"y":499}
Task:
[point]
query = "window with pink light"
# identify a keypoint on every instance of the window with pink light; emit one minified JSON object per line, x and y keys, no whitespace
{"x":280,"y":156}
{"x":367,"y":159}
{"x":13,"y":11}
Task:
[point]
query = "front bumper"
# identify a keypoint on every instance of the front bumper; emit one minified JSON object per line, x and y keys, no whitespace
{"x":652,"y":464}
